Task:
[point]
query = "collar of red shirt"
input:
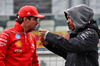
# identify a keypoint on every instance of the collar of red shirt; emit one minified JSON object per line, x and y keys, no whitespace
{"x":18,"y":27}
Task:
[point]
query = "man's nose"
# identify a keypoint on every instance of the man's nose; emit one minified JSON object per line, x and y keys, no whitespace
{"x":37,"y":22}
{"x":67,"y":21}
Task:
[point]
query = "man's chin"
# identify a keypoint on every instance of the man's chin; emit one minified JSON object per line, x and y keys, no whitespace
{"x":30,"y":30}
{"x":33,"y":29}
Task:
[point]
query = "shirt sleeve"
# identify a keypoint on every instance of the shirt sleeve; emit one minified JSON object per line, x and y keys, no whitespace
{"x":35,"y":56}
{"x":3,"y":47}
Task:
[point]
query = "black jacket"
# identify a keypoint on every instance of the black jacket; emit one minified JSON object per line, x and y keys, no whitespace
{"x":81,"y":49}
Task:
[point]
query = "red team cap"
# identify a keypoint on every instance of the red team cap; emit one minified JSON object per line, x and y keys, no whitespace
{"x":29,"y":11}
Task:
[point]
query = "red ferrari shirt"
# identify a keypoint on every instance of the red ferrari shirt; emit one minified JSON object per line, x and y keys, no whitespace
{"x":17,"y":48}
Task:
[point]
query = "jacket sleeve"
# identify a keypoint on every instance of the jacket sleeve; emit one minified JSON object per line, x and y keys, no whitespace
{"x":85,"y":42}
{"x":56,"y":50}
{"x":3,"y":47}
{"x":35,"y":56}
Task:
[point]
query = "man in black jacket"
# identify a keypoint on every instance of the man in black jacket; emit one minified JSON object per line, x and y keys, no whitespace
{"x":81,"y":48}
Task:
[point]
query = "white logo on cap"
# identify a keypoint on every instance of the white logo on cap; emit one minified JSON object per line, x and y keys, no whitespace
{"x":28,"y":13}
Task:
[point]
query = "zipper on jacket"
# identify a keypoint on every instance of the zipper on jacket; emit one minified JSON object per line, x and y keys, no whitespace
{"x":25,"y":38}
{"x":25,"y":35}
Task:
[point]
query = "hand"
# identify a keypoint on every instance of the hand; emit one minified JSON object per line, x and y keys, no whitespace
{"x":42,"y":33}
{"x":42,"y":39}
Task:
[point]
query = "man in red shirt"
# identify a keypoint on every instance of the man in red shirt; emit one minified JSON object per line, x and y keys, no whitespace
{"x":17,"y":44}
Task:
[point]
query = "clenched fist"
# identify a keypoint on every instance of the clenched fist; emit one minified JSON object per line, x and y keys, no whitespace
{"x":42,"y":34}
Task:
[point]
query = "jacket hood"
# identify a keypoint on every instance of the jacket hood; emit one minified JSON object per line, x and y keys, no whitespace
{"x":80,"y":15}
{"x":93,"y":25}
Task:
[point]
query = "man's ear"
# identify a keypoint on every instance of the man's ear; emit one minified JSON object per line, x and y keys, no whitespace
{"x":25,"y":19}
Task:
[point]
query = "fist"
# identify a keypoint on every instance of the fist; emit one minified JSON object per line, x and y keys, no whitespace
{"x":42,"y":34}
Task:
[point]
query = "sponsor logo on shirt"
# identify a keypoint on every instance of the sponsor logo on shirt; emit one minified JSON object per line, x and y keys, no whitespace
{"x":18,"y":50}
{"x":17,"y":36}
{"x":18,"y":44}
{"x":3,"y":40}
{"x":2,"y":44}
{"x":32,"y":46}
{"x":3,"y":36}
{"x":30,"y":37}
{"x":85,"y":34}
{"x":32,"y":50}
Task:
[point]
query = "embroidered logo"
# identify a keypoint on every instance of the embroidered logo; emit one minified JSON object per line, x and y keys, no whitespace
{"x":30,"y":37}
{"x":18,"y":50}
{"x":17,"y":36}
{"x":2,"y":44}
{"x":85,"y":34}
{"x":32,"y":45}
{"x":28,"y":13}
{"x":18,"y":44}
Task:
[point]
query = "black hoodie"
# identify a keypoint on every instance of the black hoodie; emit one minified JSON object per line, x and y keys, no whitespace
{"x":82,"y":18}
{"x":80,"y":15}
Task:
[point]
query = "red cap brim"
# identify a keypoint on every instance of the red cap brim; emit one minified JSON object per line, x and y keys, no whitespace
{"x":39,"y":16}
